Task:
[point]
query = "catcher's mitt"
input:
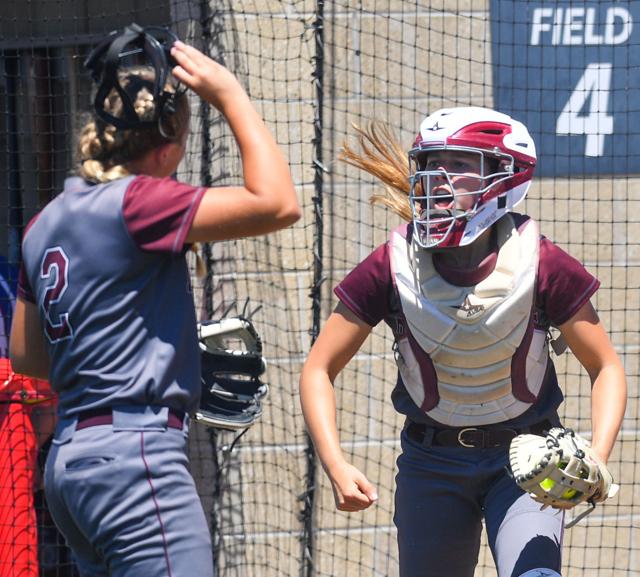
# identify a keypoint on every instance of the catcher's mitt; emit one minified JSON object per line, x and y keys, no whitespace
{"x":560,"y":470}
{"x":232,"y":363}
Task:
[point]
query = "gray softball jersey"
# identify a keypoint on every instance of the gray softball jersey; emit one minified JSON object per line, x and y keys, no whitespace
{"x":105,"y":264}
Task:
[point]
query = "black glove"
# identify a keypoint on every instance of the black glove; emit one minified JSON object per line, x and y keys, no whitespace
{"x":232,"y":363}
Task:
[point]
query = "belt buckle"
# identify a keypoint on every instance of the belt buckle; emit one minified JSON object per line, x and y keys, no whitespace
{"x":465,"y":430}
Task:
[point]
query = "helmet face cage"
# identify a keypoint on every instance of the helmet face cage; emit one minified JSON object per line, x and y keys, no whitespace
{"x":435,"y":226}
{"x":505,"y":150}
{"x":131,"y":47}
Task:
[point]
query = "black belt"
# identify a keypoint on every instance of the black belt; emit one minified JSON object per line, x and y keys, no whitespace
{"x":471,"y":437}
{"x":95,"y":417}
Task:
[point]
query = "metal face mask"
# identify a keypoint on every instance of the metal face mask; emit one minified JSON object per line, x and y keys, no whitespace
{"x":448,"y":187}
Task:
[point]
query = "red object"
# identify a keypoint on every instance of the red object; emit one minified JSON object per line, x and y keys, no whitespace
{"x":18,"y":454}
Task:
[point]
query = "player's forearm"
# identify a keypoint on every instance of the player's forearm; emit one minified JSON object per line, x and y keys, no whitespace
{"x":319,"y":409}
{"x":27,"y":348}
{"x":265,"y":168}
{"x":269,"y":191}
{"x":608,"y":403}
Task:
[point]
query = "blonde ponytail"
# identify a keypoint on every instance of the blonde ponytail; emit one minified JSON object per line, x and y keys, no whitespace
{"x":382,"y":156}
{"x":201,"y":268}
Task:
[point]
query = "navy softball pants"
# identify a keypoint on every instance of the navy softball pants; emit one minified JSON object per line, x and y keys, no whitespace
{"x":443,"y":494}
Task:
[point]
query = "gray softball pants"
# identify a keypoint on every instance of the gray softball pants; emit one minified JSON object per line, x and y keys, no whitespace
{"x":124,"y":499}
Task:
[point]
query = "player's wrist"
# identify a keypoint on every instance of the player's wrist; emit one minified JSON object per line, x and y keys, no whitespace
{"x":601,"y":453}
{"x":232,"y":100}
{"x":334,"y":465}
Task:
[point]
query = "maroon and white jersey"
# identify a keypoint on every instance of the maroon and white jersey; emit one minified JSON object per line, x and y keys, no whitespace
{"x":435,"y":387}
{"x":105,"y":264}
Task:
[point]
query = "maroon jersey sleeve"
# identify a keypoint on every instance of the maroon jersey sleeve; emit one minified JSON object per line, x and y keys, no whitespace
{"x":564,"y":285}
{"x":158,"y":212}
{"x":365,"y":290}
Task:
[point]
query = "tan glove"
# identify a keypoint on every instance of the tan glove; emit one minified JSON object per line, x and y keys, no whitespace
{"x":560,"y":470}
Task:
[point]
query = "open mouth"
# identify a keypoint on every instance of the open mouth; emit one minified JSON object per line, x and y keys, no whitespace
{"x":441,"y":213}
{"x":441,"y":200}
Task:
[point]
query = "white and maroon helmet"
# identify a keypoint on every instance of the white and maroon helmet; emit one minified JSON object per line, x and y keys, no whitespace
{"x":492,"y":135}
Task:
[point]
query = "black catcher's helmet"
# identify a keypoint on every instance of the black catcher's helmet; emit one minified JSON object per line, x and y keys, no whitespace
{"x":127,"y":48}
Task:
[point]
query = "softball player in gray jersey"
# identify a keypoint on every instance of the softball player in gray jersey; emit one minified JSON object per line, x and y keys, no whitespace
{"x":105,"y":309}
{"x":469,"y":289}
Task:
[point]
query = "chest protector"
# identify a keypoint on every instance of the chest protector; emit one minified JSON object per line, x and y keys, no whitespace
{"x":472,"y":355}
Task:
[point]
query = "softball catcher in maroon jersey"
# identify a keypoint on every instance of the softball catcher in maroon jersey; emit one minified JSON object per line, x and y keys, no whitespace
{"x":469,"y":289}
{"x":105,"y":309}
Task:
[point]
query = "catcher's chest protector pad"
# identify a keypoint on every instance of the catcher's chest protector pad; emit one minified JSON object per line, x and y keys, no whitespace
{"x":470,"y":334}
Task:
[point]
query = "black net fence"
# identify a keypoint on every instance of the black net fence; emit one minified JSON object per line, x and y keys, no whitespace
{"x":567,"y":69}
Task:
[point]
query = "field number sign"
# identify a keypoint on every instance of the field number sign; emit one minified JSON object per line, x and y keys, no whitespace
{"x":570,"y":71}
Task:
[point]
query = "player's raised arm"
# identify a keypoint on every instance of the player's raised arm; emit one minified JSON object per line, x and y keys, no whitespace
{"x":267,"y":201}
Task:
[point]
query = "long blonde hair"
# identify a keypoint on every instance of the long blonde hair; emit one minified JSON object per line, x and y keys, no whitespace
{"x":381,"y":155}
{"x":105,"y":150}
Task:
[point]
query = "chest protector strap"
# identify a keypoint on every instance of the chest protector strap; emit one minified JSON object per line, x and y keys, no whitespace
{"x":472,"y":356}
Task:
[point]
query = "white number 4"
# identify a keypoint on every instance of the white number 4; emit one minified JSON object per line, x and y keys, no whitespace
{"x":594,"y":86}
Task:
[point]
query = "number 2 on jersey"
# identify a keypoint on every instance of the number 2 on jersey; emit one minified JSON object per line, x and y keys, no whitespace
{"x":55,"y":267}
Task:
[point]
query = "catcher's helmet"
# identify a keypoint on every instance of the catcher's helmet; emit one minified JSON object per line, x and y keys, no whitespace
{"x":132,"y":47}
{"x":502,"y":143}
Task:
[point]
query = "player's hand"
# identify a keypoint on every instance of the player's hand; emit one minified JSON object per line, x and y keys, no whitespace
{"x":206,"y":77}
{"x":352,"y":491}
